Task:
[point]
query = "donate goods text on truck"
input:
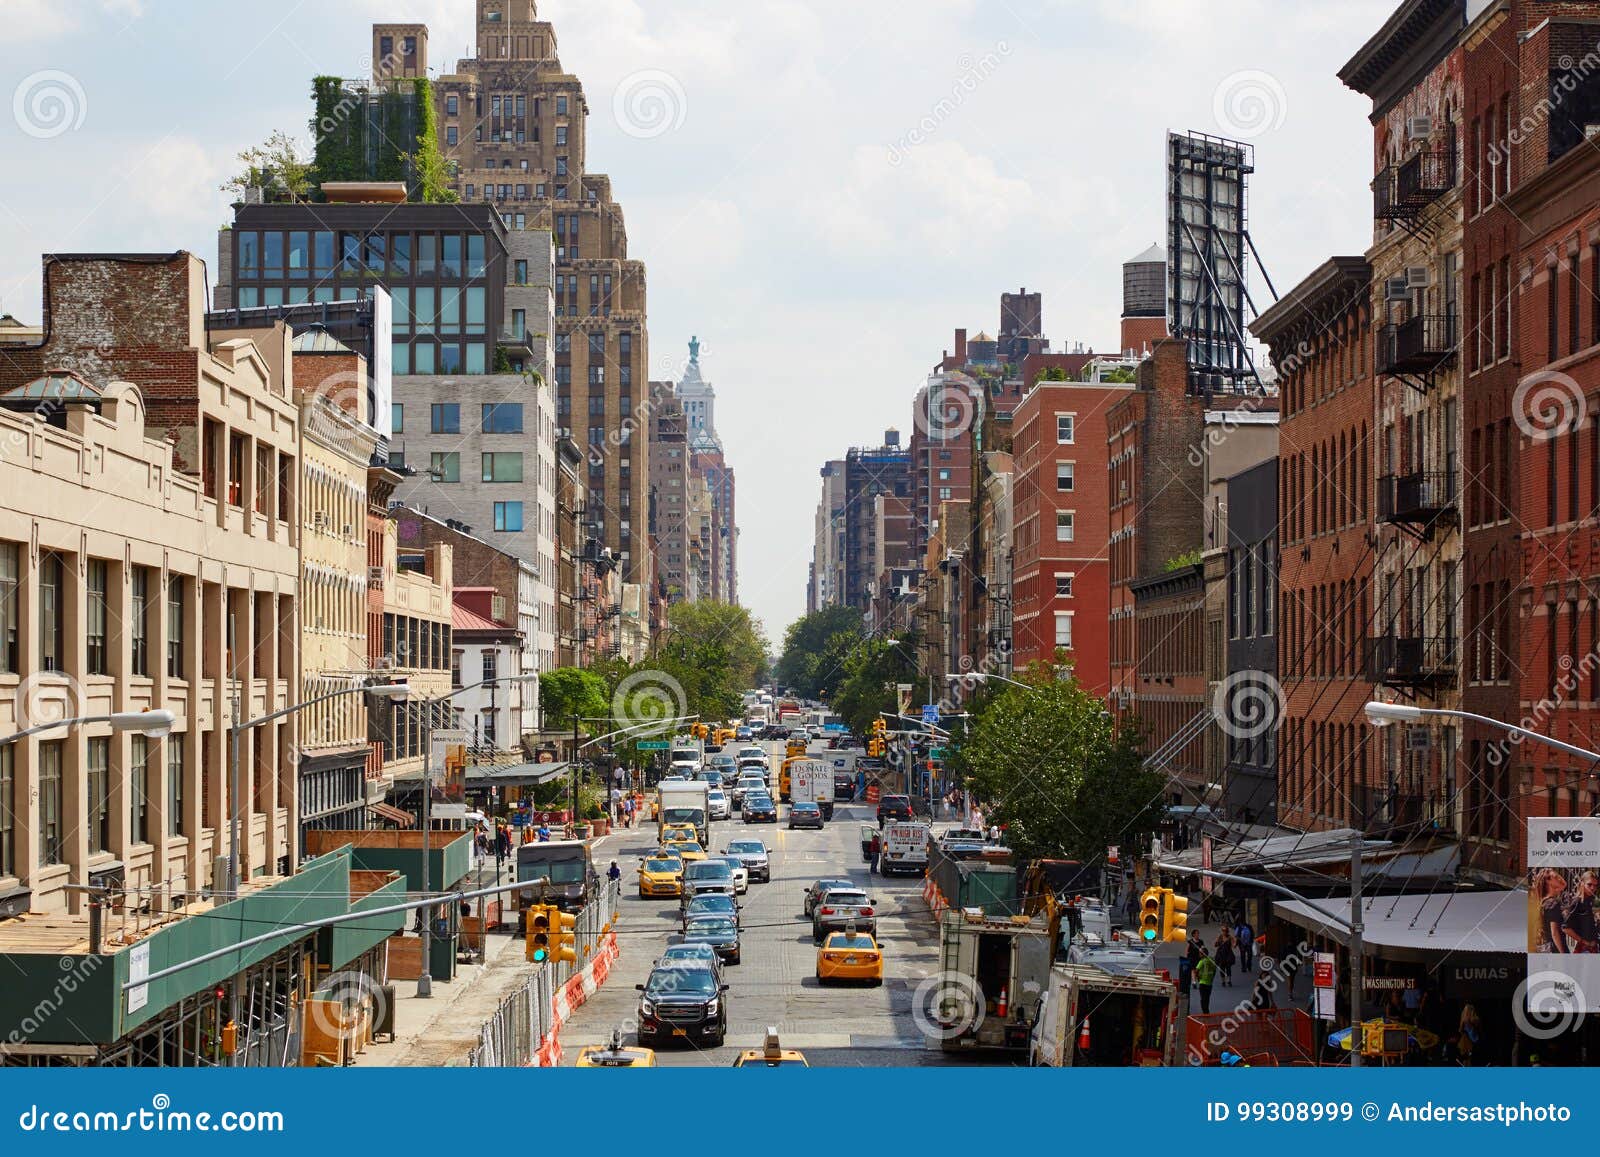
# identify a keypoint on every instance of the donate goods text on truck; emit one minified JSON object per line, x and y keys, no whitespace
{"x":685,"y":802}
{"x":905,"y":849}
{"x":811,"y":781}
{"x":1090,"y":1017}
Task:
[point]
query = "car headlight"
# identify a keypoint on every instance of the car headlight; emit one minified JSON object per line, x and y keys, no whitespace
{"x":646,"y":1008}
{"x":711,"y":1008}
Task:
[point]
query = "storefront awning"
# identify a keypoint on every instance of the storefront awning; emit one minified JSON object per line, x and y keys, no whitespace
{"x":393,"y":814}
{"x":501,"y":775}
{"x":1421,"y":927}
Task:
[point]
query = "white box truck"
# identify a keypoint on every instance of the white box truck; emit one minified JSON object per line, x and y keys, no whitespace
{"x":905,"y":849}
{"x":811,"y":781}
{"x":685,"y":801}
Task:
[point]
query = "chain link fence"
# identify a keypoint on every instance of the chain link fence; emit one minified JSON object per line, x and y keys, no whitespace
{"x":511,"y":1037}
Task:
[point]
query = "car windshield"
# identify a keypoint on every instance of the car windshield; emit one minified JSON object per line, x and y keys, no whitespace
{"x":662,"y":865}
{"x":845,"y":899}
{"x":709,"y":870}
{"x":684,"y":954}
{"x":845,"y":940}
{"x":896,"y":800}
{"x":805,"y":807}
{"x":822,"y":887}
{"x":711,"y":904}
{"x":681,"y":982}
{"x":746,"y":847}
{"x":711,"y":926}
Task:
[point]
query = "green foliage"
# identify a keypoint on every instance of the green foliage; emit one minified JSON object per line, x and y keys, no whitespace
{"x":502,"y":360}
{"x":1057,"y":774}
{"x":1121,"y":376}
{"x":1052,"y":374}
{"x":1180,"y":561}
{"x":815,"y":649}
{"x":337,"y":125}
{"x":275,"y":166}
{"x":694,"y":626}
{"x":871,"y":670}
{"x":570,"y":691}
{"x":433,"y":173}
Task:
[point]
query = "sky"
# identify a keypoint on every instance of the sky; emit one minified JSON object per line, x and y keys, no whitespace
{"x":821,"y":191}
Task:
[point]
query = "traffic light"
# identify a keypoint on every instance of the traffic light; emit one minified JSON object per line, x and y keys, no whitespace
{"x":700,"y":731}
{"x":1150,"y":915}
{"x":875,"y":747}
{"x":563,"y":936}
{"x":1175,"y":925}
{"x":539,"y":928}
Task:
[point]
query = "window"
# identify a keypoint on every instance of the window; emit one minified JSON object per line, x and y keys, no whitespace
{"x":97,"y":805}
{"x":502,"y":417}
{"x":10,"y":575}
{"x":95,"y":643}
{"x":175,"y":786}
{"x":138,"y":621}
{"x":502,"y":467}
{"x":1063,"y":628}
{"x":249,"y":254}
{"x":446,"y":418}
{"x":519,"y":323}
{"x":52,"y":616}
{"x":322,"y":252}
{"x":139,"y":791}
{"x":451,"y":138}
{"x":561,"y":106}
{"x":299,"y":254}
{"x":174,"y":626}
{"x":491,"y":664}
{"x":521,"y":269}
{"x":1064,"y":586}
{"x":1064,"y":520}
{"x":52,"y":834}
{"x":508,"y":517}
{"x":397,"y":418}
{"x":1066,"y":428}
{"x":452,"y":105}
{"x":445,"y":467}
{"x":1064,"y":475}
{"x":561,"y":136}
{"x":8,"y":819}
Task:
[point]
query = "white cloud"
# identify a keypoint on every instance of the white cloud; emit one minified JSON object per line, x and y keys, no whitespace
{"x":27,"y":20}
{"x":173,"y":178}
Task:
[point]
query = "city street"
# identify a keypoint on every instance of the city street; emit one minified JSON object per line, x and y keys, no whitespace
{"x":775,"y":985}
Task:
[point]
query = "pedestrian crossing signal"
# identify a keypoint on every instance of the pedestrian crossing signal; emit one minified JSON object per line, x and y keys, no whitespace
{"x":1150,"y":915}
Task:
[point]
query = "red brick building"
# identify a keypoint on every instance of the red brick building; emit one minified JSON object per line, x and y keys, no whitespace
{"x":1532,"y":355}
{"x":1061,"y":582}
{"x":1320,"y":335}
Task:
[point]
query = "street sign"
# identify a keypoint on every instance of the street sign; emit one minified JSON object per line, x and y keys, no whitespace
{"x":1322,"y":970}
{"x":936,"y":753}
{"x":654,"y":745}
{"x":930,"y":713}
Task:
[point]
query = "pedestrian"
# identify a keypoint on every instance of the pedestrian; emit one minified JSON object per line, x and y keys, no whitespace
{"x":1246,"y":937}
{"x":1469,"y":1033}
{"x":994,"y":834}
{"x":544,"y":833}
{"x":1074,"y":917}
{"x":1224,"y":955}
{"x":877,"y":852}
{"x":1205,"y":974}
{"x":1197,"y":948}
{"x":627,"y":811}
{"x":613,"y":873}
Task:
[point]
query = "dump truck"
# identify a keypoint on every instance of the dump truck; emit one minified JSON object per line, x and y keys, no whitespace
{"x":995,"y":971}
{"x":1089,"y":1017}
{"x":681,"y":801}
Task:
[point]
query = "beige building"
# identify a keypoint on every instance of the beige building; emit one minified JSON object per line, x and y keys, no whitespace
{"x":149,"y":555}
{"x":514,"y":125}
{"x":418,"y":595}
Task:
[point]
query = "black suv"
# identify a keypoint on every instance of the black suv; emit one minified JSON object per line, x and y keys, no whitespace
{"x":683,"y":1003}
{"x":894,"y":807}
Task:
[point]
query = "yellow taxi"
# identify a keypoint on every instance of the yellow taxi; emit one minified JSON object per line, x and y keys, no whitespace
{"x":770,"y":1055}
{"x":615,"y":1056}
{"x":684,"y":842}
{"x":849,"y":955}
{"x":660,"y":875}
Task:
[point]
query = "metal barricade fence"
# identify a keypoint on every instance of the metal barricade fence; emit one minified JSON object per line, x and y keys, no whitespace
{"x":511,"y":1037}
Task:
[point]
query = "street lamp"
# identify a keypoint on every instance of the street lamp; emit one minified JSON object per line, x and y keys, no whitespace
{"x":955,"y":676}
{"x":155,"y":724}
{"x":1381,"y":714}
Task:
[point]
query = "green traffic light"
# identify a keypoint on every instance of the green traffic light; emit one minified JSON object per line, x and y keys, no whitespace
{"x":1149,"y":933}
{"x":539,"y":955}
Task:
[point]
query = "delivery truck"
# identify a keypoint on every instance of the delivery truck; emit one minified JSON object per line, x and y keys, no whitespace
{"x":905,"y":848}
{"x":1089,"y":1017}
{"x":685,"y":801}
{"x":995,"y":969}
{"x":811,"y":781}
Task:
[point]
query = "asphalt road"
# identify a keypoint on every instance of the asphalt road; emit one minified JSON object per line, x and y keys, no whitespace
{"x":776,"y":984}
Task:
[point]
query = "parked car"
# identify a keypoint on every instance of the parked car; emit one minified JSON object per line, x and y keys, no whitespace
{"x":753,"y":855}
{"x":816,"y":891}
{"x":759,"y":809}
{"x":721,"y":932}
{"x":805,"y":815}
{"x":843,"y":908}
{"x":683,"y":1003}
{"x":894,"y":807}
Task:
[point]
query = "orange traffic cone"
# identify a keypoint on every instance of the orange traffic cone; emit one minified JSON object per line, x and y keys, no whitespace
{"x":1000,"y":1005}
{"x":1083,"y":1035}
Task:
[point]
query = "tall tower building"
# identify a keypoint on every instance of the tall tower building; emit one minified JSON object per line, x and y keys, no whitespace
{"x":513,"y":123}
{"x":699,"y":403}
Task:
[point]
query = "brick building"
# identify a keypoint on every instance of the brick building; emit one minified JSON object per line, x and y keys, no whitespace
{"x":1320,"y":336}
{"x":1170,"y":687}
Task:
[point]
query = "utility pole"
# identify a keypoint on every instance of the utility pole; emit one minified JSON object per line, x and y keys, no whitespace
{"x":1356,"y":846}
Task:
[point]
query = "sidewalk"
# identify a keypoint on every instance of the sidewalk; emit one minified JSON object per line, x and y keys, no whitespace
{"x":441,"y":1030}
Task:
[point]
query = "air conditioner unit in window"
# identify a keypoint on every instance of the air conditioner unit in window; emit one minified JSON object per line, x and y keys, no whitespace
{"x":1395,"y":289}
{"x":1418,"y":277}
{"x":375,"y":576}
{"x":1419,"y":128}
